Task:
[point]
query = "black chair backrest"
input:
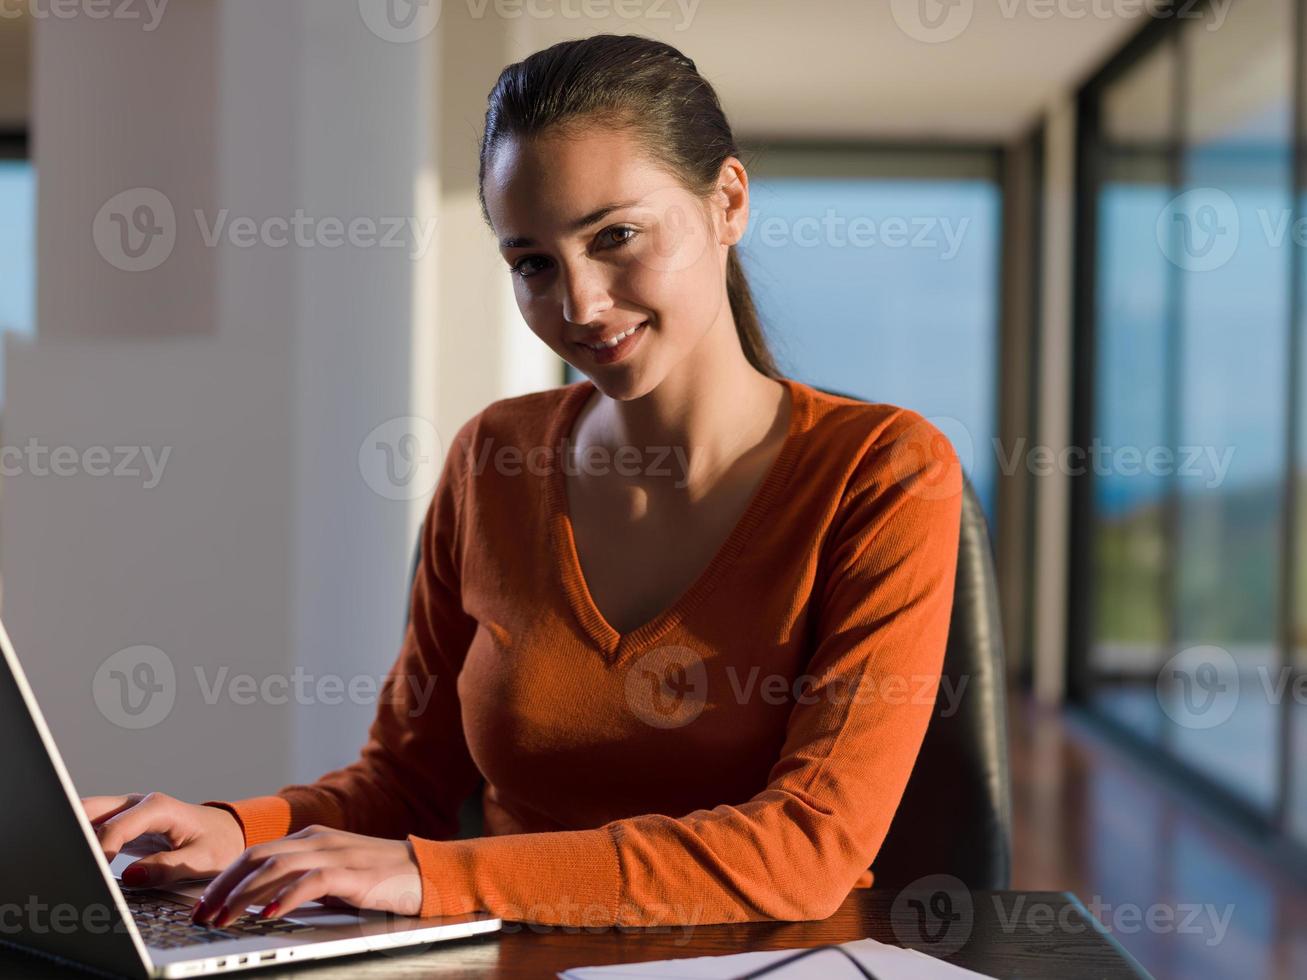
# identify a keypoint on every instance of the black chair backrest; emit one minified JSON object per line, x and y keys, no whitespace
{"x":955,"y":817}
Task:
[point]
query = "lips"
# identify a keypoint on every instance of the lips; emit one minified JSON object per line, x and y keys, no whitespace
{"x":620,"y":351}
{"x":592,"y":344}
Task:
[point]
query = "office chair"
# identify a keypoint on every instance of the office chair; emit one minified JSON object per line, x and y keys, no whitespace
{"x":955,"y":817}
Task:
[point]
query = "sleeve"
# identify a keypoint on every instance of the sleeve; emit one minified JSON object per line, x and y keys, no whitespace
{"x":415,"y":769}
{"x":796,"y":849}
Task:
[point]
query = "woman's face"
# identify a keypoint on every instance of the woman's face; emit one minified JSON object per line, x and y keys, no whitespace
{"x":599,"y":240}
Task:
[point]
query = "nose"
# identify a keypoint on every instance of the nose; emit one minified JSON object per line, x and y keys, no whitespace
{"x":585,"y":292}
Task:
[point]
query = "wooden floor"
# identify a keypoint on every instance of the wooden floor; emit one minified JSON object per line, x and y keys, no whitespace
{"x":1091,"y":818}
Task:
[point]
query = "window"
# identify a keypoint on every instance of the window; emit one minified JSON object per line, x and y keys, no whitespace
{"x":876,"y":274}
{"x":1188,"y":634}
{"x":17,"y":252}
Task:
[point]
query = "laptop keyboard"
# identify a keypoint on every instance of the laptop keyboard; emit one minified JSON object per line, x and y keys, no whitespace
{"x":165,"y":923}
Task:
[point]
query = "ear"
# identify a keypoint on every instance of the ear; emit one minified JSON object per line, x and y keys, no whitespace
{"x":730,"y":202}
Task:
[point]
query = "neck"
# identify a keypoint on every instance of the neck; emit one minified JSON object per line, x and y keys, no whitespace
{"x":712,"y":408}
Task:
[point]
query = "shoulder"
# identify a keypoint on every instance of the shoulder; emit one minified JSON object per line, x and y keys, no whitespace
{"x":518,"y":421}
{"x":883,"y":446}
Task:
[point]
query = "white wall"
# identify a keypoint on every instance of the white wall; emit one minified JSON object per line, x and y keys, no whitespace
{"x":266,"y":544}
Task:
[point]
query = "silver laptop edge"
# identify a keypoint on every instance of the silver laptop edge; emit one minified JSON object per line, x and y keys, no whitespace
{"x":55,"y":889}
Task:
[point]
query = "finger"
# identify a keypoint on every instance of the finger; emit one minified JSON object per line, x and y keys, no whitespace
{"x":259,"y":885}
{"x":318,"y":883}
{"x":166,"y":867}
{"x":219,"y":892}
{"x":154,"y":814}
{"x":99,"y":808}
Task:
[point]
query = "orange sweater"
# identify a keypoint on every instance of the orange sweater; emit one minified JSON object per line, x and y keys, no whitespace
{"x":737,"y":758}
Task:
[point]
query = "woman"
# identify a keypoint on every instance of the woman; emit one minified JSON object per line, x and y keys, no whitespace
{"x":687,"y":616}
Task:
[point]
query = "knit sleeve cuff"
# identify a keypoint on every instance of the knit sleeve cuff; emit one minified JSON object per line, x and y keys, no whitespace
{"x":262,"y":818}
{"x":562,"y":877}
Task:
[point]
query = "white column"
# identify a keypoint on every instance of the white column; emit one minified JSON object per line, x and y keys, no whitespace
{"x":274,"y":537}
{"x":1053,"y":423}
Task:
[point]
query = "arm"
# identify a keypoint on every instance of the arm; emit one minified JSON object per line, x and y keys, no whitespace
{"x":415,"y":769}
{"x":795,"y":849}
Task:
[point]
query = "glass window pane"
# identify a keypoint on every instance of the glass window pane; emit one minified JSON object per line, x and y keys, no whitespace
{"x":1234,"y":271}
{"x":885,"y":287}
{"x":1129,"y":617}
{"x":17,"y":252}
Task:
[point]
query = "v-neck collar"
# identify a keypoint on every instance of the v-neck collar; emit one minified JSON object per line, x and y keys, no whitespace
{"x":617,"y":647}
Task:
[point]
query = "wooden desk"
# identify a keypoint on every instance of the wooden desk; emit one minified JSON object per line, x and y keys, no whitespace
{"x":1009,"y":934}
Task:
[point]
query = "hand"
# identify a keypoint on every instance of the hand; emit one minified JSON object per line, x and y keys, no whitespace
{"x":202,"y":840}
{"x":315,"y":863}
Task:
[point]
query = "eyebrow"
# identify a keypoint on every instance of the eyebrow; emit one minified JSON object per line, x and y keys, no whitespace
{"x":579,"y":224}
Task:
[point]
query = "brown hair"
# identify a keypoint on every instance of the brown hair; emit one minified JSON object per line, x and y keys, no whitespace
{"x":642,"y":85}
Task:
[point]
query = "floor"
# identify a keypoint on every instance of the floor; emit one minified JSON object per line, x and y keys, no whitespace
{"x":1184,"y":893}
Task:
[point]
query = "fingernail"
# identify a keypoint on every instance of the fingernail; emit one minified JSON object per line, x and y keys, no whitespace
{"x":220,"y":916}
{"x":198,"y":913}
{"x":136,"y":875}
{"x":271,"y":909}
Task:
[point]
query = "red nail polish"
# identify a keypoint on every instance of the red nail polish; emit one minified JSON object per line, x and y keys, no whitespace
{"x":271,"y":909}
{"x":136,"y":875}
{"x":219,"y":916}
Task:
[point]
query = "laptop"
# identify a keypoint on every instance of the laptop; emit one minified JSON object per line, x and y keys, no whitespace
{"x":61,"y":898}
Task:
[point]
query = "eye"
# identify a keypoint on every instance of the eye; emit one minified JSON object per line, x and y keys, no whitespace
{"x":620,"y":228}
{"x":518,"y":267}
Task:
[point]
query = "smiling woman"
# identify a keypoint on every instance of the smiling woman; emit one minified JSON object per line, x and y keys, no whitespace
{"x":693,"y":699}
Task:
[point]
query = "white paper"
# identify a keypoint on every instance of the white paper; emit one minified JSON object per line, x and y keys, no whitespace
{"x":885,"y":961}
